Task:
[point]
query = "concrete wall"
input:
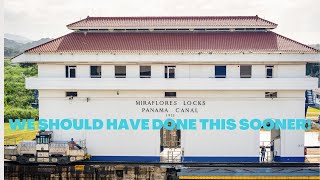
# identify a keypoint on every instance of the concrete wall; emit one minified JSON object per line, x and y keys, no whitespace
{"x":292,"y":71}
{"x":258,"y":71}
{"x":157,"y":71}
{"x":51,"y":70}
{"x":107,"y":71}
{"x":233,"y":71}
{"x":133,"y":71}
{"x":199,"y":145}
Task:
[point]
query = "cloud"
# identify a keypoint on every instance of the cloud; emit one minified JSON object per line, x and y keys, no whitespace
{"x":48,"y":18}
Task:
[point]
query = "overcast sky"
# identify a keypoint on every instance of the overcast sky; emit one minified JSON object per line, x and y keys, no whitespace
{"x":35,"y":19}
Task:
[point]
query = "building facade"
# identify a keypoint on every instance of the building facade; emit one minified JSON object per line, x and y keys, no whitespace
{"x":174,"y":67}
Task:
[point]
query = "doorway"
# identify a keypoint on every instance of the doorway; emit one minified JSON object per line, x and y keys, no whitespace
{"x":170,"y":145}
{"x":271,"y":141}
{"x":275,"y":144}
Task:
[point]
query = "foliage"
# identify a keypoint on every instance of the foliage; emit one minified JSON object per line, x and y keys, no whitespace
{"x":20,"y":113}
{"x":17,"y":99}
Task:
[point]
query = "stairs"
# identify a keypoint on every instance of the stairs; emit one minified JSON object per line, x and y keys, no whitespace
{"x":171,"y":155}
{"x":310,"y":98}
{"x":310,"y":101}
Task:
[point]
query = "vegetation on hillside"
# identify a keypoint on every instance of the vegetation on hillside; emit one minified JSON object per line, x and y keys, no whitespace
{"x":10,"y":52}
{"x":17,"y":99}
{"x":13,"y":48}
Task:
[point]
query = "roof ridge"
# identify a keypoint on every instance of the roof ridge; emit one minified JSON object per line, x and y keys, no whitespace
{"x":165,"y":18}
{"x":169,"y":16}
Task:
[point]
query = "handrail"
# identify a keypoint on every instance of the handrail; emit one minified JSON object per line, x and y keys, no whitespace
{"x":12,"y":141}
{"x":171,"y":157}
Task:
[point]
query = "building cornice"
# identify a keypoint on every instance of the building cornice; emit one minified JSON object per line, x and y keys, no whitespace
{"x":166,"y":58}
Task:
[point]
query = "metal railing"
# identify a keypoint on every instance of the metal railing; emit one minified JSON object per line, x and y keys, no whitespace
{"x":12,"y":141}
{"x":268,"y":154}
{"x":81,"y":143}
{"x":172,"y":144}
{"x":172,"y":157}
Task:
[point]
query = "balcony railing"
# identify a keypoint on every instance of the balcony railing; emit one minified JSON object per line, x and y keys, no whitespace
{"x":173,"y":84}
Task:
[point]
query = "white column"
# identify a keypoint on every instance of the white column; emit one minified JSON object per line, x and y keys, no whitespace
{"x":107,"y":71}
{"x":182,"y":71}
{"x":258,"y":71}
{"x":83,"y":71}
{"x":157,"y":71}
{"x":233,"y":71}
{"x":133,"y":71}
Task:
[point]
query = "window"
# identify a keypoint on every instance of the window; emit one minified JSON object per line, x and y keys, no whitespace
{"x":169,"y":71}
{"x":269,"y":71}
{"x":245,"y":71}
{"x":145,"y":71}
{"x":42,"y":140}
{"x":120,"y":71}
{"x":318,"y":96}
{"x":220,"y":71}
{"x":71,"y":71}
{"x":271,"y":94}
{"x":95,"y":71}
{"x":170,"y":94}
{"x":71,"y":94}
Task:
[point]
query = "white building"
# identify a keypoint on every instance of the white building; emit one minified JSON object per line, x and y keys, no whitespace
{"x":227,"y":67}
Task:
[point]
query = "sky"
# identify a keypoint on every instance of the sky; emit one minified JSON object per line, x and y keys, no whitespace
{"x":36,"y":19}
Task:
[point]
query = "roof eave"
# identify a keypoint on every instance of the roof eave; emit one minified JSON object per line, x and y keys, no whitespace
{"x":133,"y":52}
{"x":167,"y":27}
{"x":68,"y":57}
{"x":19,"y":58}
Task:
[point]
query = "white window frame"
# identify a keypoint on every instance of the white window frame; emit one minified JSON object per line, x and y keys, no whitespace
{"x":170,"y":96}
{"x":71,"y":92}
{"x":70,"y":67}
{"x":170,"y":67}
{"x":120,"y":76}
{"x":145,"y":76}
{"x":272,"y":68}
{"x":271,"y":95}
{"x":96,"y":76}
{"x":246,"y":76}
{"x":215,"y":71}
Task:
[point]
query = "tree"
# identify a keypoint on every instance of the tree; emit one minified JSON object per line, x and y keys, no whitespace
{"x":18,"y":99}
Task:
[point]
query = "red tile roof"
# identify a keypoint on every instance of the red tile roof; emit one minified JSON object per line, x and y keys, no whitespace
{"x":171,"y":22}
{"x":187,"y":42}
